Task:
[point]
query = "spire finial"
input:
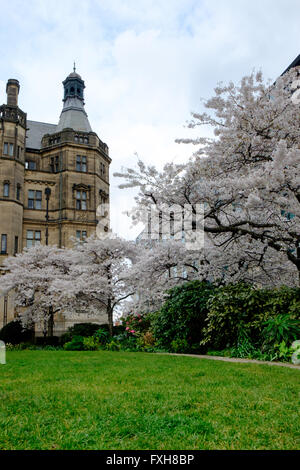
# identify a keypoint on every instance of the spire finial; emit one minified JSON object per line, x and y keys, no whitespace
{"x":74,"y":68}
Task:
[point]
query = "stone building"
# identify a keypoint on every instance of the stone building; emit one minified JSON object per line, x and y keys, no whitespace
{"x":52,"y":177}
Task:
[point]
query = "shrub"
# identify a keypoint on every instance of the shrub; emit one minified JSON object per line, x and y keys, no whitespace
{"x":281,"y":328}
{"x":75,"y":345}
{"x":91,"y":343}
{"x":112,"y":346}
{"x":283,"y":300}
{"x":79,"y":329}
{"x":88,"y":329}
{"x":65,"y":338}
{"x":180,"y":346}
{"x":240,"y":308}
{"x":139,"y":322}
{"x":47,"y":341}
{"x":14,"y":333}
{"x":83,"y":329}
{"x":182,"y":317}
{"x":128,"y":342}
{"x":102,"y":335}
{"x":244,"y":347}
{"x":147,"y":339}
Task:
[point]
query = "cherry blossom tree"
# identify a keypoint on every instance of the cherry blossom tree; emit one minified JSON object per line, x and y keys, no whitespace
{"x":247,"y":177}
{"x":30,"y":276}
{"x":99,"y":278}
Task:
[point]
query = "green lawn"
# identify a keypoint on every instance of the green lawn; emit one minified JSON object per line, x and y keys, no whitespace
{"x":115,"y":400}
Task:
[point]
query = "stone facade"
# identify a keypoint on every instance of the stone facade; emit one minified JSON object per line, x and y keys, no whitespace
{"x":73,"y":163}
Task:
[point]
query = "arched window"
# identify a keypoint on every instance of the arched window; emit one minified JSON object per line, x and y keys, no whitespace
{"x":72,"y":91}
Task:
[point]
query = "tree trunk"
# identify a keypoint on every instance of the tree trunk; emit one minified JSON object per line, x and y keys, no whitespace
{"x":110,"y":318}
{"x":50,"y":322}
{"x":109,"y":304}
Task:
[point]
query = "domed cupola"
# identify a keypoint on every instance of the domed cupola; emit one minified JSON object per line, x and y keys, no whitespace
{"x":73,"y":86}
{"x":73,"y":114}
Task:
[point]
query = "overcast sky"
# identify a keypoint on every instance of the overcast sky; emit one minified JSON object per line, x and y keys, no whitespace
{"x":146,"y":64}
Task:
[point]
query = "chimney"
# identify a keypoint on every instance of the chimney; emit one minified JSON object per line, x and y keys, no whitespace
{"x":12,"y":90}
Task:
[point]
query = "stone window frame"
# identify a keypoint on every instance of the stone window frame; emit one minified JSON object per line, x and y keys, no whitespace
{"x":102,"y":169}
{"x":30,"y":163}
{"x":81,"y":163}
{"x":81,"y":235}
{"x":81,"y":139}
{"x":18,"y":192}
{"x":6,"y":188}
{"x":16,"y":245}
{"x":78,"y":191}
{"x":36,"y":201}
{"x":81,"y":200}
{"x":104,"y":197}
{"x":3,"y":248}
{"x":8,"y":149}
{"x":54,"y":140}
{"x":34,"y":239}
{"x":54,"y":163}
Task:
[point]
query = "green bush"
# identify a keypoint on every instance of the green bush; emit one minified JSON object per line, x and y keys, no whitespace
{"x":281,"y":328}
{"x":128,"y":342}
{"x":102,"y":335}
{"x":79,"y":329}
{"x":91,"y":343}
{"x":112,"y":346}
{"x":14,"y":333}
{"x":88,"y":329}
{"x":180,"y":346}
{"x":75,"y":345}
{"x":238,"y":309}
{"x":83,"y":329}
{"x":47,"y":341}
{"x":244,"y":348}
{"x":182,"y":317}
{"x":138,"y":323}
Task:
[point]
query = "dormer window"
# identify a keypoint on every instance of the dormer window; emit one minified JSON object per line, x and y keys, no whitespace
{"x":54,"y":140}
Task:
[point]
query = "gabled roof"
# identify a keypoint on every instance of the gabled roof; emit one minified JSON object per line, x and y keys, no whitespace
{"x":36,"y":131}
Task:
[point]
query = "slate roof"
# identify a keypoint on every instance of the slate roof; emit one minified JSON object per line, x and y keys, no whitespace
{"x":295,"y":63}
{"x":36,"y":130}
{"x":74,"y":116}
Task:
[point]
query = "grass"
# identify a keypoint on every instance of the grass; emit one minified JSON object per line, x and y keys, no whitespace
{"x":115,"y":400}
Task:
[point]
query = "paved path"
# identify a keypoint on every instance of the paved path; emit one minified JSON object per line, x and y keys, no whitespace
{"x":234,"y":359}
